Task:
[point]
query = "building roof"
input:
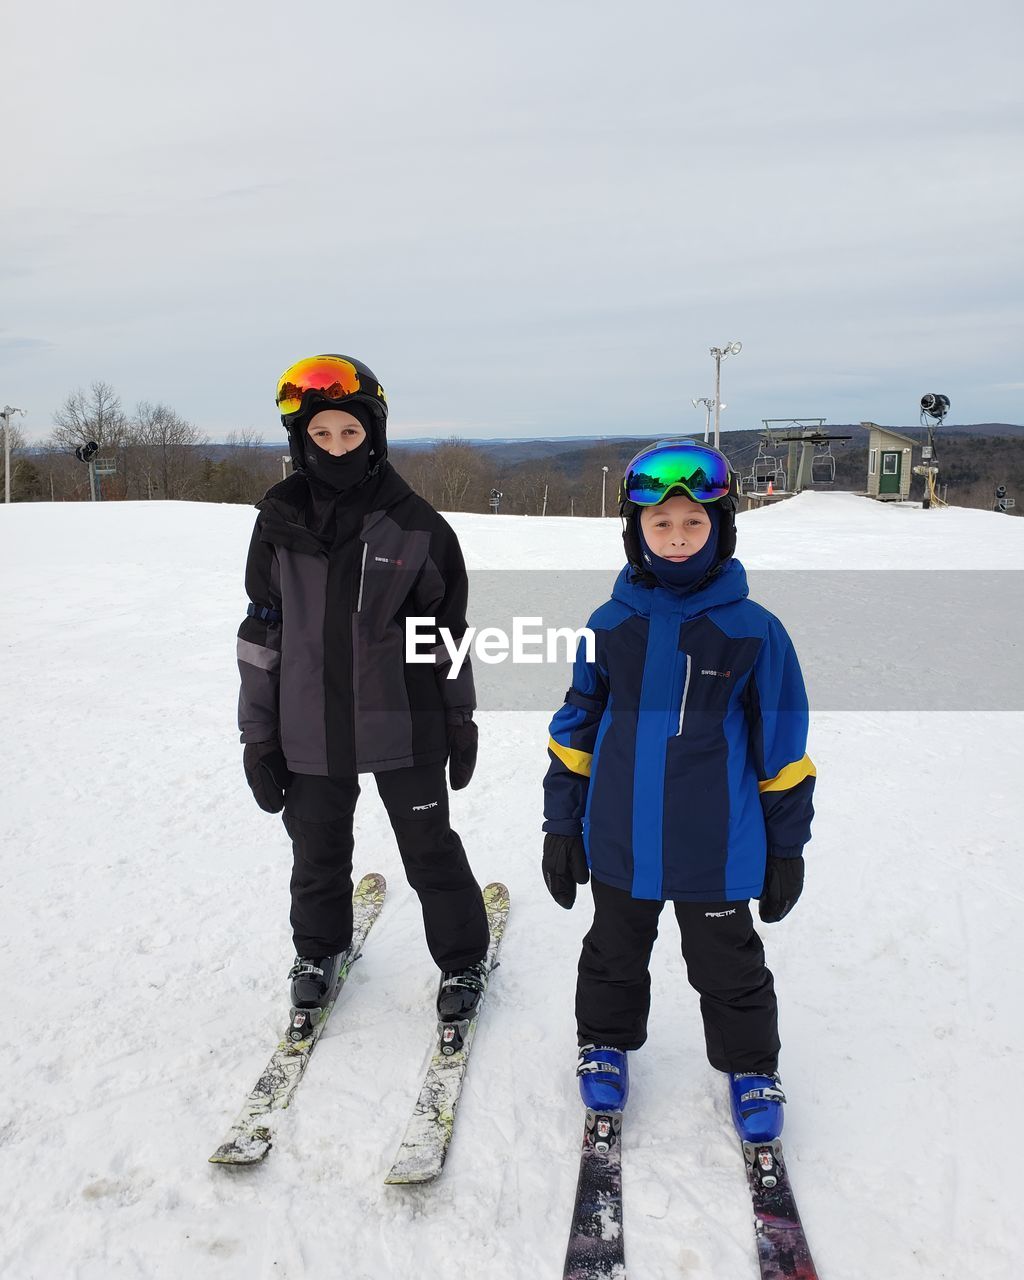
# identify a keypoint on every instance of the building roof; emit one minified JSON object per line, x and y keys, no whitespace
{"x":896,"y":435}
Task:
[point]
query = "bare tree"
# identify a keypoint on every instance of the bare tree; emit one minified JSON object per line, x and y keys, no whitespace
{"x":524,"y":487}
{"x":460,"y":475}
{"x":64,"y":479}
{"x":586,"y":494}
{"x":95,"y":414}
{"x":418,"y":470}
{"x":162,"y":449}
{"x":246,"y":471}
{"x":246,"y":438}
{"x":256,"y":467}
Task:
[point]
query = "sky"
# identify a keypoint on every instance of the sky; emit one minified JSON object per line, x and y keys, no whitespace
{"x":532,"y":221}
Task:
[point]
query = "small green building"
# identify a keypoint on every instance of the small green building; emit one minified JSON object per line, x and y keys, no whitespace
{"x":890,"y":455}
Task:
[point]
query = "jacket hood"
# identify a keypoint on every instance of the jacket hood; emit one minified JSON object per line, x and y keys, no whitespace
{"x":726,"y":587}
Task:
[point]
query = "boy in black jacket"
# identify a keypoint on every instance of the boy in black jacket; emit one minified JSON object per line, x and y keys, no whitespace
{"x":342,"y":552}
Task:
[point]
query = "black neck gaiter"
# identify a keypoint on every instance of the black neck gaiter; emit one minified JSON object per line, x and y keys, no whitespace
{"x":338,"y":474}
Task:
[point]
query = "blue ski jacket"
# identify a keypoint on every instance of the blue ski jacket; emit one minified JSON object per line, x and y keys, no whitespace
{"x":680,"y":751}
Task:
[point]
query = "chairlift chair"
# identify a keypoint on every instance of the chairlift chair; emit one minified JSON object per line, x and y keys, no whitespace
{"x":766,"y":469}
{"x":823,"y":465}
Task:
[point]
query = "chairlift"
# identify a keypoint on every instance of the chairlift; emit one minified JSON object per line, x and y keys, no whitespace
{"x":766,"y":469}
{"x":823,"y":465}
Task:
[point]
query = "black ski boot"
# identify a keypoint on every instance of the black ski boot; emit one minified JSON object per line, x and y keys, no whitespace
{"x":313,"y":979}
{"x":458,"y":998}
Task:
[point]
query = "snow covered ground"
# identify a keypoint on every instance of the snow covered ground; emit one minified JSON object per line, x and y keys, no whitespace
{"x":146,"y":942}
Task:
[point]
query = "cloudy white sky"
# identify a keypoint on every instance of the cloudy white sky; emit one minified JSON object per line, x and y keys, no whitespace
{"x":530,"y":219}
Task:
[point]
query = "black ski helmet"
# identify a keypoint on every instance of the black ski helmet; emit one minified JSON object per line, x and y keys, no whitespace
{"x":368,"y":403}
{"x":630,"y":513}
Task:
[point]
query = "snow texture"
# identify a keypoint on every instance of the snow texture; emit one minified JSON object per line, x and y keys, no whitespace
{"x":146,"y":946}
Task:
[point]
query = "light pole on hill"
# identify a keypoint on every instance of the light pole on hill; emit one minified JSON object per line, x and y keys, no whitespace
{"x":730,"y":349}
{"x":604,"y":480}
{"x":708,"y":404}
{"x":5,"y":413}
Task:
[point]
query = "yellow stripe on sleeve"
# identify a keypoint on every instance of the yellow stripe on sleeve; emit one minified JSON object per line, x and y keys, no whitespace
{"x":787,"y":778}
{"x":577,"y":761}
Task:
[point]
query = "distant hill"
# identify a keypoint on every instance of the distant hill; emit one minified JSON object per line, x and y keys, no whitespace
{"x":513,"y":449}
{"x":516,"y":449}
{"x":570,"y":472}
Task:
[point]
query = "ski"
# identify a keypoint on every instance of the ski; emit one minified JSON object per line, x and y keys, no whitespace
{"x":782,"y":1249}
{"x":425,"y":1146}
{"x":596,"y":1244}
{"x":249,"y":1139}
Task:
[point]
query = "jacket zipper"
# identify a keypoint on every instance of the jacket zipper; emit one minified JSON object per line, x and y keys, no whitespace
{"x":686,"y":690}
{"x":362,"y":571}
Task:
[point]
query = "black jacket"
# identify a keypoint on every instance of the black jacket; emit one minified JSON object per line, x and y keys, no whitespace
{"x":324,"y":670}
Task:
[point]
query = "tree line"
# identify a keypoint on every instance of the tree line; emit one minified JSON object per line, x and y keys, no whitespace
{"x":455,"y":475}
{"x":153,"y":452}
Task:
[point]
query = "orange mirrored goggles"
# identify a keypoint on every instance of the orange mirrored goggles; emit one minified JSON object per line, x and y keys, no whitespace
{"x":329,"y":376}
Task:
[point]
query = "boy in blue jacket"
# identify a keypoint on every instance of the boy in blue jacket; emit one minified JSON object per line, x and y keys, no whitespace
{"x":678,"y":772}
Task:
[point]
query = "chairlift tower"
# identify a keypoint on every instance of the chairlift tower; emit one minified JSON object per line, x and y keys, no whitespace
{"x":816,"y":465}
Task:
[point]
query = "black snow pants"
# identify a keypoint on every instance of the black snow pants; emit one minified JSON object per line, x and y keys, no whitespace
{"x":724,"y":963}
{"x":318,"y":816}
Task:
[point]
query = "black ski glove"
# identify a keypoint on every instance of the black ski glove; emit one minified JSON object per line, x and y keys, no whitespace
{"x":565,"y":866}
{"x":266,"y":772}
{"x":462,"y":747}
{"x":783,"y":884}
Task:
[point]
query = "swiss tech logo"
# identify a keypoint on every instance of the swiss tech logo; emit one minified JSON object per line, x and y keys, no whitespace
{"x":388,"y":560}
{"x":723,"y":675}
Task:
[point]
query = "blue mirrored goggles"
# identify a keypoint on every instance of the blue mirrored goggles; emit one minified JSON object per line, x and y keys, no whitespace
{"x":700,"y":472}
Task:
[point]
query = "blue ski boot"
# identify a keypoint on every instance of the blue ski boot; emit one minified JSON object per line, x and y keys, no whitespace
{"x":604,"y":1077}
{"x":757,"y":1101}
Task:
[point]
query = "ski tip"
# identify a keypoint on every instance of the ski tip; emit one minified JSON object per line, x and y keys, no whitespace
{"x":372,"y":882}
{"x":496,"y":892}
{"x":237,"y":1153}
